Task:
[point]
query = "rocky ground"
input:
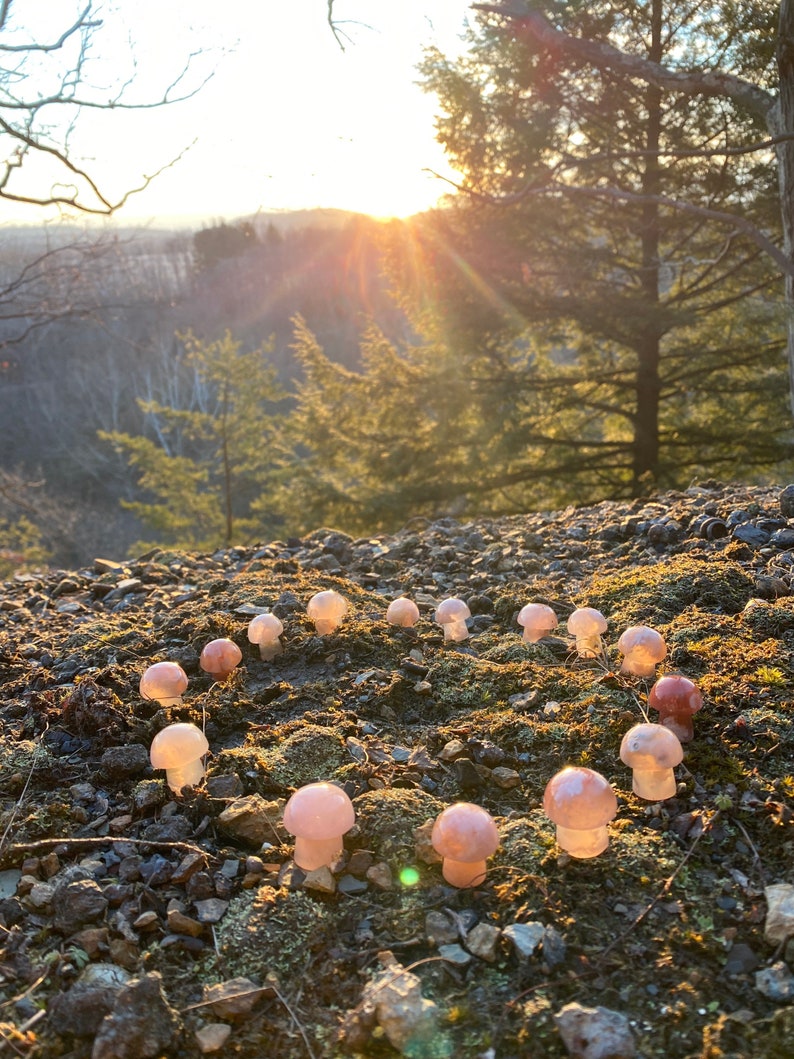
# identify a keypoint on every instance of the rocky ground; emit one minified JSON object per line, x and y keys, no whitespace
{"x":135,"y":922}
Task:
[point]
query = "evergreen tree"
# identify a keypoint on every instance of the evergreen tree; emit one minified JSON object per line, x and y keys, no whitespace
{"x":581,"y":338}
{"x":204,"y":463}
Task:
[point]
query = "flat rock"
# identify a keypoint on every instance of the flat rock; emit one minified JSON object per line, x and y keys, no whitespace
{"x":595,"y":1033}
{"x":779,"y":923}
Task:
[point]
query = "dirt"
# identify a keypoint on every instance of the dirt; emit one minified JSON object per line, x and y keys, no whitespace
{"x":103,"y":866}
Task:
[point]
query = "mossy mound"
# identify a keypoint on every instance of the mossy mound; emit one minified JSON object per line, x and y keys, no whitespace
{"x":653,"y":595}
{"x":269,"y":930}
{"x":386,"y":820}
{"x":311,"y":753}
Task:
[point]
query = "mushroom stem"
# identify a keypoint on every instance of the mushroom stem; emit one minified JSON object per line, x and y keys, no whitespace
{"x":185,"y":775}
{"x":589,"y":646}
{"x":456,"y":630}
{"x":463,"y":873}
{"x":311,"y":853}
{"x":654,"y":784}
{"x":270,"y":649}
{"x":583,"y":843}
{"x":637,"y":668}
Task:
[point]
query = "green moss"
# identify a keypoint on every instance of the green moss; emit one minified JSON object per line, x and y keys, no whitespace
{"x":386,"y":820}
{"x":268,"y":930}
{"x":311,"y":753}
{"x":653,"y":595}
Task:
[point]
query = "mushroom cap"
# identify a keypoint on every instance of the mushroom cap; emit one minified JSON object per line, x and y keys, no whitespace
{"x":579,"y":798}
{"x":586,"y":621}
{"x":164,"y":680}
{"x":651,"y":746}
{"x":220,"y":656}
{"x":264,"y":628}
{"x":674,"y":692}
{"x":452,"y":610}
{"x":403,"y":612}
{"x":177,"y":745}
{"x":319,"y":811}
{"x":327,"y":606}
{"x":537,"y":616}
{"x":465,"y":832}
{"x":643,"y":644}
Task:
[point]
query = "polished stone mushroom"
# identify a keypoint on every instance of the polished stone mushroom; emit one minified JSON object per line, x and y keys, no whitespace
{"x":642,"y":649}
{"x":465,"y":835}
{"x":581,"y":803}
{"x":165,"y":682}
{"x":264,"y":630}
{"x":179,"y":749}
{"x":652,"y":752}
{"x":327,"y":610}
{"x":220,"y":658}
{"x":677,"y":699}
{"x":403,"y":612}
{"x":537,"y":620}
{"x":587,"y":625}
{"x":451,"y":614}
{"x":318,"y":815}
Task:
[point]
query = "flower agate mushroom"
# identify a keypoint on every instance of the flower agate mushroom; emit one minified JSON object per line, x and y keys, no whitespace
{"x":642,"y":648}
{"x":264,"y":630}
{"x":652,"y":751}
{"x":586,"y":625}
{"x":676,"y":698}
{"x":581,"y":803}
{"x":452,"y":614}
{"x":179,"y":749}
{"x":465,"y":835}
{"x":165,"y":682}
{"x":403,"y":612}
{"x":219,"y":658}
{"x":538,"y":621}
{"x":326,"y":610}
{"x":318,"y":815}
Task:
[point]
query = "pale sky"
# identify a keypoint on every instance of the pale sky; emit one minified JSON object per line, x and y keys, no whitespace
{"x":288,"y":119}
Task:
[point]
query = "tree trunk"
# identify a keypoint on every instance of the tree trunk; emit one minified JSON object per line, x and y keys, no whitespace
{"x":782,"y":121}
{"x":645,"y":457}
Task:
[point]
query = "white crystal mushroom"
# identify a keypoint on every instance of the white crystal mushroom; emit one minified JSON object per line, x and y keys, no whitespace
{"x":165,"y":682}
{"x":318,"y":815}
{"x":219,"y":658}
{"x":587,"y":625}
{"x":465,"y":835}
{"x":179,"y":750}
{"x":403,"y":612}
{"x":538,"y":621}
{"x":326,"y":610}
{"x":581,"y":803}
{"x":264,"y":630}
{"x":642,"y":648}
{"x":652,"y":752}
{"x":452,"y":614}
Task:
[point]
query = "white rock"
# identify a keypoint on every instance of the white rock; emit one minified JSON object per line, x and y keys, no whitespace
{"x":406,"y":1017}
{"x":212,"y":1038}
{"x":595,"y":1033}
{"x":779,"y":923}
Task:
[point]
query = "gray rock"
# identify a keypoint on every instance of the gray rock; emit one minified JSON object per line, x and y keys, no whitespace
{"x":439,"y":929}
{"x":88,"y":1001}
{"x":409,"y":1020}
{"x":786,"y":501}
{"x":775,"y":982}
{"x":483,"y":940}
{"x":249,"y":819}
{"x":783,"y":538}
{"x":455,"y":954}
{"x":76,"y":903}
{"x":741,"y":959}
{"x":525,"y":937}
{"x":123,"y":762}
{"x":595,"y":1033}
{"x":553,"y":947}
{"x":752,"y":535}
{"x":141,"y":1025}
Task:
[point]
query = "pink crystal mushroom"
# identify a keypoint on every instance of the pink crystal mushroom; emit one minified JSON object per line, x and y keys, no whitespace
{"x":264,"y":630}
{"x":403,"y":612}
{"x":587,"y":625}
{"x":179,"y":750}
{"x":318,"y":815}
{"x":676,"y":698}
{"x":465,"y":835}
{"x":165,"y":682}
{"x":538,"y":621}
{"x":652,"y":752}
{"x":452,"y":614}
{"x":581,"y":803}
{"x":642,"y":648}
{"x":219,"y":658}
{"x":326,"y":610}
